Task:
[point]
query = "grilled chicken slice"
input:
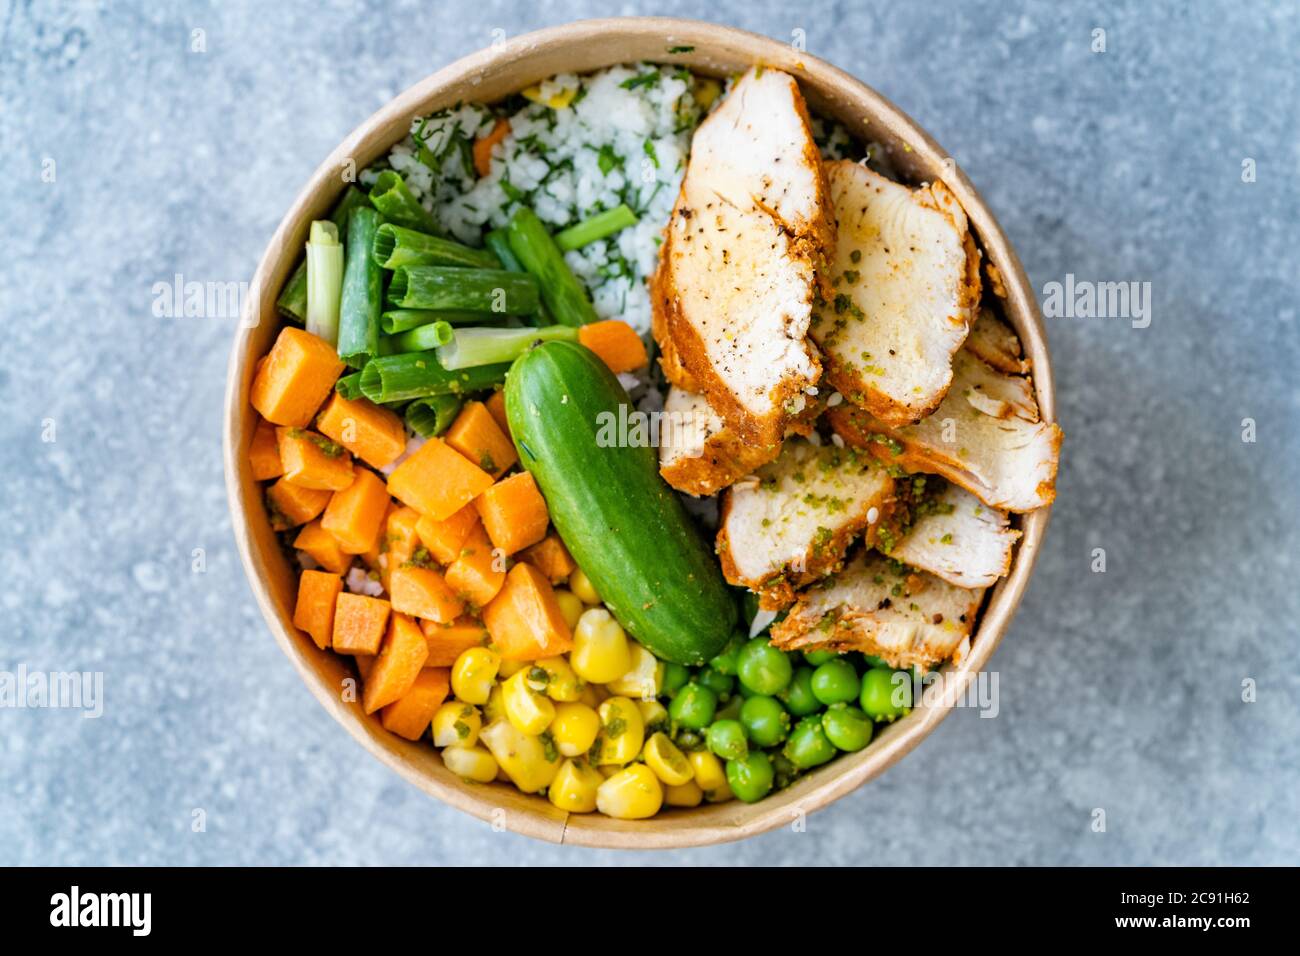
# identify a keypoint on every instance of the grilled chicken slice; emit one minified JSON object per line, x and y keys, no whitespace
{"x":742,"y":254}
{"x":996,"y":344}
{"x":959,"y":538}
{"x":985,"y":436}
{"x":698,"y":453}
{"x":906,"y":286}
{"x":883,"y":608}
{"x":791,"y":524}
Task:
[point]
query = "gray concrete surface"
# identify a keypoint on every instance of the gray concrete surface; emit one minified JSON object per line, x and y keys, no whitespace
{"x":1120,"y":691}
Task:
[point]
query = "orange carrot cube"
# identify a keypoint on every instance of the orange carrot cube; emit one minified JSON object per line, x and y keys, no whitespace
{"x":371,"y":432}
{"x":323,"y":548}
{"x":514,"y":513}
{"x":264,"y":452}
{"x":496,"y":405}
{"x":525,"y":620}
{"x":423,"y":593}
{"x":291,"y":505}
{"x":478,"y":573}
{"x":410,"y":715}
{"x":438,"y":480}
{"x":400,"y":541}
{"x":476,"y":435}
{"x":448,"y":641}
{"x":400,"y":659}
{"x":318,"y":593}
{"x":298,"y":375}
{"x":359,"y":623}
{"x":444,"y":539}
{"x":551,"y":557}
{"x":355,"y":515}
{"x":313,"y":461}
{"x":616,"y":343}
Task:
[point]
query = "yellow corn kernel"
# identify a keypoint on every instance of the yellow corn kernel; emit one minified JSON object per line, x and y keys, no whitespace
{"x":709,"y":772}
{"x":719,"y":794}
{"x":571,"y":606}
{"x":669,"y":764}
{"x":653,"y":714}
{"x":456,"y":724}
{"x":706,"y":91}
{"x":528,"y":710}
{"x":687,"y":794}
{"x":574,"y":728}
{"x":641,"y":681}
{"x":495,"y":708}
{"x":471,"y":763}
{"x":581,"y":585}
{"x":609,"y":770}
{"x":556,"y":101}
{"x":593,"y":695}
{"x":473,"y":673}
{"x":511,"y":668}
{"x":561,"y":682}
{"x":633,"y":793}
{"x":520,"y":755}
{"x":622,"y":732}
{"x":600,"y":653}
{"x":574,"y":787}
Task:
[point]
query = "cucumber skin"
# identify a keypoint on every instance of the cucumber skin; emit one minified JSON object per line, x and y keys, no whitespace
{"x":622,"y":523}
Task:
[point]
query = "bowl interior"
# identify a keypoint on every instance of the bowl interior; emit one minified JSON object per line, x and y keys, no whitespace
{"x":487,"y":76}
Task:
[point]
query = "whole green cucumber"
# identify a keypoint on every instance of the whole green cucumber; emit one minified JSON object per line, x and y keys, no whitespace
{"x":625,"y":527}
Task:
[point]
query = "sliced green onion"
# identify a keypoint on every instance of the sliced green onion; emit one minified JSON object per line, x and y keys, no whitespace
{"x":597,"y":227}
{"x":349,"y":386}
{"x":493,"y":291}
{"x":563,"y":294}
{"x":394,"y":200}
{"x":398,"y":246}
{"x":324,"y":281}
{"x":423,"y":338}
{"x":434,"y":415}
{"x":359,"y":309}
{"x":499,"y":244}
{"x":397,"y":378}
{"x":401,"y":320}
{"x":292,"y":303}
{"x":472,"y":347}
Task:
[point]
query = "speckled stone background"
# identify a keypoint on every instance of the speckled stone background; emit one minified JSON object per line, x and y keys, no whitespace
{"x":1119,"y":690}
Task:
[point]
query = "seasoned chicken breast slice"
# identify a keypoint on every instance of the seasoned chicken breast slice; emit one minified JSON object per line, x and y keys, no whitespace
{"x":792,"y":522}
{"x":883,"y":608}
{"x":957,"y":537}
{"x":698,"y":453}
{"x":906,"y":286}
{"x":732,"y":295}
{"x":985,"y":436}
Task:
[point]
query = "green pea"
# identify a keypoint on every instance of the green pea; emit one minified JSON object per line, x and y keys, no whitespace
{"x":727,"y":739}
{"x":786,"y":772}
{"x":872,"y":661}
{"x":847,"y":727}
{"x":693,"y":707}
{"x":798,"y":697}
{"x":886,"y":693}
{"x":817,"y":658}
{"x":808,"y":746}
{"x":835,"y":682}
{"x":725,"y":663}
{"x":731,"y":709}
{"x":718,"y":682}
{"x":675,"y":678}
{"x":763,"y":668}
{"x":765,"y":720}
{"x":750,"y":777}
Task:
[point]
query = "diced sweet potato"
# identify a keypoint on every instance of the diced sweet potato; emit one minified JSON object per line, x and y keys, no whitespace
{"x":444,"y":539}
{"x":448,"y":641}
{"x":291,"y":505}
{"x":513,"y":512}
{"x":399,"y":542}
{"x":438,"y":480}
{"x":371,"y":432}
{"x":355,"y":515}
{"x":496,"y":405}
{"x":525,"y":620}
{"x":318,"y":593}
{"x":400,"y":659}
{"x":313,"y":461}
{"x":364,"y":664}
{"x":423,"y":593}
{"x":616,"y":343}
{"x":476,"y":435}
{"x":323,"y":548}
{"x":410,"y":715}
{"x":264,"y":452}
{"x":359,"y":623}
{"x":298,"y":375}
{"x":551,"y":557}
{"x":479,"y":571}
